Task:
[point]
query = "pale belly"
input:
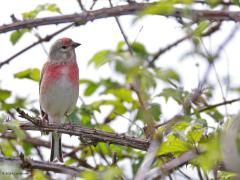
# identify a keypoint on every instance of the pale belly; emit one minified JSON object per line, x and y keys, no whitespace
{"x":59,"y":98}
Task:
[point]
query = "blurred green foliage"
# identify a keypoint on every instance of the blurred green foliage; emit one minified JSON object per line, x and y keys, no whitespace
{"x":137,"y":97}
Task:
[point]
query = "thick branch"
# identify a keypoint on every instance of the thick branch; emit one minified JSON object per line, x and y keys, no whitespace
{"x":86,"y":134}
{"x":119,"y":11}
{"x":29,"y":164}
{"x":91,"y":135}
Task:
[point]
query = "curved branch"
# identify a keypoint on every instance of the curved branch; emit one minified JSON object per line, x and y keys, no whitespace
{"x":129,"y":9}
{"x":29,"y":164}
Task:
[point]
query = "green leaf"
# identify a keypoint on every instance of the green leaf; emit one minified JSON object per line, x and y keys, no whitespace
{"x":173,"y":145}
{"x":40,"y":8}
{"x":74,"y":118}
{"x":101,"y":58}
{"x":120,"y":46}
{"x":163,"y":7}
{"x":112,"y":173}
{"x":89,"y":174}
{"x":27,"y":147}
{"x":195,"y":133}
{"x":211,"y":155}
{"x":18,"y":102}
{"x":91,"y":87}
{"x":4,"y":94}
{"x":237,"y":2}
{"x":181,"y":126}
{"x":53,"y":8}
{"x":37,"y":174}
{"x":224,"y":175}
{"x":139,"y":49}
{"x":176,"y":94}
{"x":17,"y":35}
{"x":167,"y":75}
{"x":121,"y":93}
{"x":32,"y":74}
{"x":202,"y":26}
{"x":155,"y":110}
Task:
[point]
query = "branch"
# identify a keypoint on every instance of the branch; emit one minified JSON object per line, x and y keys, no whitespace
{"x":219,"y":104}
{"x":128,"y":9}
{"x":92,"y":135}
{"x":88,"y":134}
{"x":32,"y":140}
{"x":172,"y":164}
{"x":46,"y":39}
{"x":210,"y":31}
{"x":29,"y":164}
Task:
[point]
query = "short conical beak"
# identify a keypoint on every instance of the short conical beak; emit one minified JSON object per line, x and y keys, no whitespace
{"x":75,"y":44}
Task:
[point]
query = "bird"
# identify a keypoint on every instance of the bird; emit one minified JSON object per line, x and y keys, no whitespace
{"x":59,"y":88}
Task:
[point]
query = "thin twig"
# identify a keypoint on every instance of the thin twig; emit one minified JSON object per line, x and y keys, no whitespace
{"x":219,"y":104}
{"x":46,"y":39}
{"x":29,"y":164}
{"x":81,"y":5}
{"x":122,"y":31}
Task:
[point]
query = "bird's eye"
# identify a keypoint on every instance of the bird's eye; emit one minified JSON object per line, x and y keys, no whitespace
{"x":64,"y":47}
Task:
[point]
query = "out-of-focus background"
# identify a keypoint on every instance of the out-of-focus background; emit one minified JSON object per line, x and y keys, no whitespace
{"x":123,"y":89}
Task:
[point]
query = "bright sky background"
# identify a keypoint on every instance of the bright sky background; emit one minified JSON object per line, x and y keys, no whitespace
{"x":104,"y":34}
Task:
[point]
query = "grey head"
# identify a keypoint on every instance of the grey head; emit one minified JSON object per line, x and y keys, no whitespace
{"x":63,"y":51}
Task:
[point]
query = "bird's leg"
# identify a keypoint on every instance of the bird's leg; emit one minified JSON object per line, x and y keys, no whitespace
{"x":45,"y":119}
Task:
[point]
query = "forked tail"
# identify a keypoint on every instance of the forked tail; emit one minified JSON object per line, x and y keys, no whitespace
{"x":56,"y":147}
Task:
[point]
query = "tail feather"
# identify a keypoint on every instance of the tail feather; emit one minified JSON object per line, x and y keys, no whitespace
{"x":56,"y":147}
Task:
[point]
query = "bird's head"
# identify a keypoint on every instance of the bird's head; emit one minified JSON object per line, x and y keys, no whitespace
{"x":63,"y":50}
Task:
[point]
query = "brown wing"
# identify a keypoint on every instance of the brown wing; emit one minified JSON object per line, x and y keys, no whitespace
{"x":44,"y":115}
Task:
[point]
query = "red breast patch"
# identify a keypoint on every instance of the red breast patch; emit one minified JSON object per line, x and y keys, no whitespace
{"x":53,"y":72}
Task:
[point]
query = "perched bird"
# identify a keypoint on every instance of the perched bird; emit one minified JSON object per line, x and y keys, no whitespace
{"x":59,"y":88}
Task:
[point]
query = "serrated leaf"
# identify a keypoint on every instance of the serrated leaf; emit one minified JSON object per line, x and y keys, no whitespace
{"x":211,"y":155}
{"x":173,"y":145}
{"x":17,"y":35}
{"x":4,"y":94}
{"x":32,"y":74}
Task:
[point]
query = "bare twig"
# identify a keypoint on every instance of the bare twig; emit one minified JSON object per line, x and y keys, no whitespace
{"x":128,"y":9}
{"x":46,"y":39}
{"x":81,"y":5}
{"x":29,"y":164}
{"x":177,"y":42}
{"x":122,"y":31}
{"x":219,"y":104}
